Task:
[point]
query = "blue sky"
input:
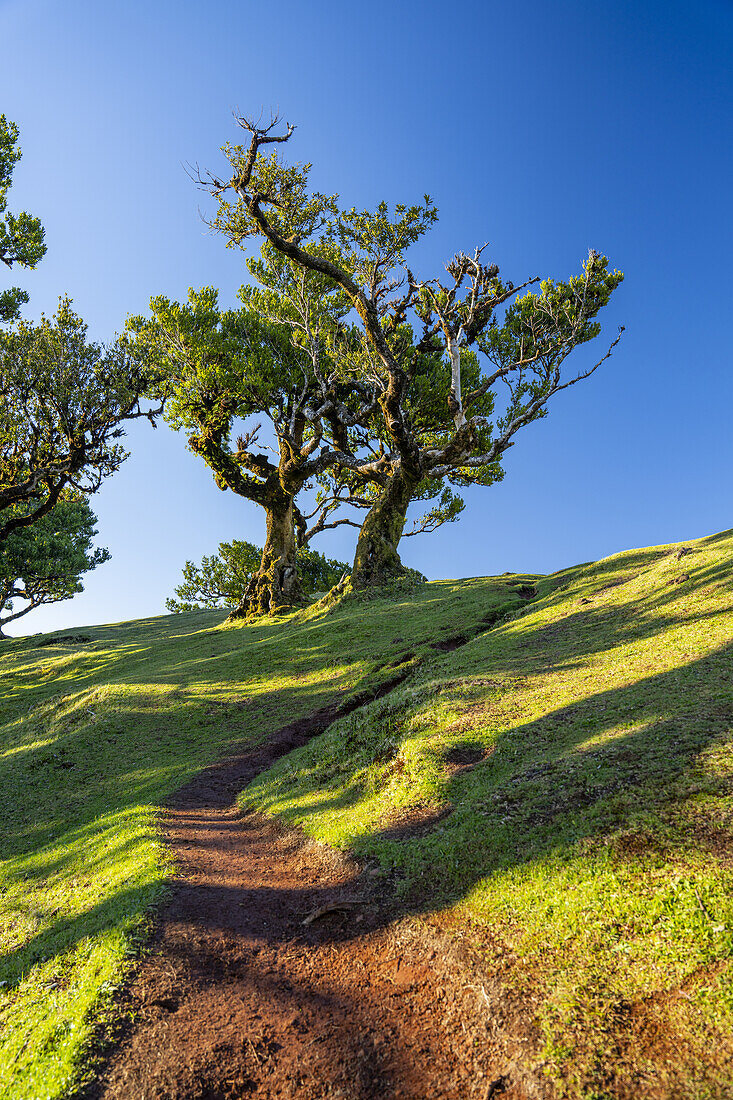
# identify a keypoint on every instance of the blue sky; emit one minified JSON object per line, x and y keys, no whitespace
{"x":544,"y":129}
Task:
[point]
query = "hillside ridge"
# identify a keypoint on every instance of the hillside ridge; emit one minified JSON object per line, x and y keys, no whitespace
{"x":550,"y":784}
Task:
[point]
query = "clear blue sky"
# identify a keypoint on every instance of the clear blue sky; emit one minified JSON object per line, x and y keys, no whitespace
{"x":543,"y":128}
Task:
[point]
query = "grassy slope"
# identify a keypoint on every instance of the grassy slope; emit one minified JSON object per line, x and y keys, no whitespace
{"x":94,"y":735}
{"x":589,"y":848}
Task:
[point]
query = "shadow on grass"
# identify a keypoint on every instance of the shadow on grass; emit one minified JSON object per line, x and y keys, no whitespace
{"x":237,"y":930}
{"x":554,"y":801}
{"x":553,"y":782}
{"x":63,"y":934}
{"x":88,"y":772}
{"x":568,"y":793}
{"x":513,"y":816}
{"x":591,"y":628}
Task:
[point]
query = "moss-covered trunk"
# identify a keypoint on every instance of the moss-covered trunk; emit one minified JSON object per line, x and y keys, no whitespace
{"x":376,"y":560}
{"x":275,"y":586}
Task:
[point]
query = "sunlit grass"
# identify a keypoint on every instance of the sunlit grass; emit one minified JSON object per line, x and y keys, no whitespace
{"x":95,"y":735}
{"x":590,"y":847}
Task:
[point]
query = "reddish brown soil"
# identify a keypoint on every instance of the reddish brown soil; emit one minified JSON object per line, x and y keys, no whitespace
{"x":281,"y":969}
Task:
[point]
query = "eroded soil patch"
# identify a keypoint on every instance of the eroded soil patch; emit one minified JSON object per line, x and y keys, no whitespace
{"x":447,"y":645}
{"x":461,"y":757}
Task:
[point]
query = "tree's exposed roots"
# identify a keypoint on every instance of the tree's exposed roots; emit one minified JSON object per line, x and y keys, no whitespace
{"x":274,"y":591}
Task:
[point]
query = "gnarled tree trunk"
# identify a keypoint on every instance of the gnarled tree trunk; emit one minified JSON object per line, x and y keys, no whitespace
{"x":376,"y":560}
{"x":275,"y":587}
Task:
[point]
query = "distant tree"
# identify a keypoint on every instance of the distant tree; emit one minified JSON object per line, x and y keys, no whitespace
{"x":222,"y":580}
{"x":44,"y":563}
{"x":319,"y":573}
{"x":21,"y":235}
{"x":63,"y":403}
{"x":403,"y":321}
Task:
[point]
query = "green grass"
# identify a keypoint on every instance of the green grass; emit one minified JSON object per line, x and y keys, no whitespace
{"x":95,"y":734}
{"x":591,"y":848}
{"x":588,"y":851}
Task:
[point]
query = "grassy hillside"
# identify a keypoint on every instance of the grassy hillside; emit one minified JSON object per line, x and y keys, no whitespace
{"x":96,"y":728}
{"x":561,"y":783}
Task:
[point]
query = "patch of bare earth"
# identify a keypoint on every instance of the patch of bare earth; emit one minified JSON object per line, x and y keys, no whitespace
{"x":279,"y":968}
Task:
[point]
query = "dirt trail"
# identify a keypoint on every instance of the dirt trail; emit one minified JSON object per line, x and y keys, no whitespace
{"x":279,"y":969}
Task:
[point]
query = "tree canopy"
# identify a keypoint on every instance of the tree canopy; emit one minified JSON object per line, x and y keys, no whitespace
{"x":63,"y":402}
{"x":21,"y":235}
{"x":43,"y":563}
{"x":433,"y":350}
{"x":269,"y":362}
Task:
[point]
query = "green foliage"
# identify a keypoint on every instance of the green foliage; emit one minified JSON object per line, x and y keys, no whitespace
{"x":43,"y":563}
{"x":63,"y":400}
{"x":214,"y":364}
{"x":543,"y":328}
{"x":446,"y":509}
{"x":302,"y":302}
{"x":318,"y":573}
{"x":221,"y":580}
{"x":294,"y":208}
{"x":361,"y":238}
{"x":374,"y":240}
{"x":271,"y":360}
{"x":217,"y":365}
{"x":21,"y":235}
{"x":220,"y":365}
